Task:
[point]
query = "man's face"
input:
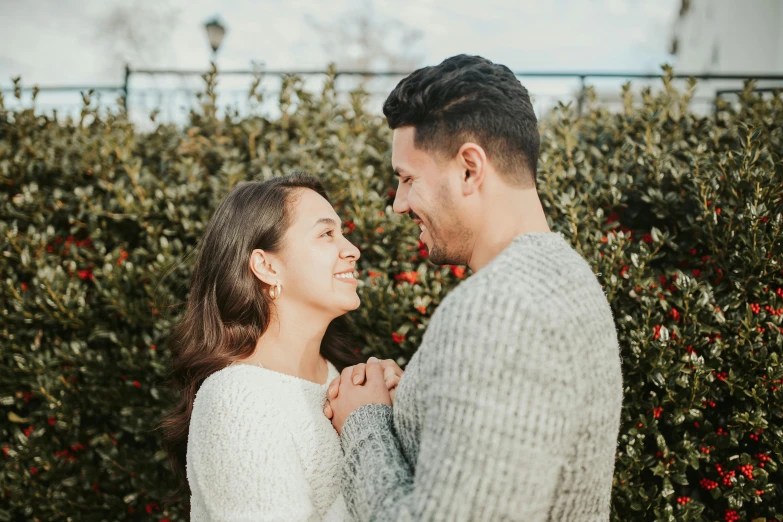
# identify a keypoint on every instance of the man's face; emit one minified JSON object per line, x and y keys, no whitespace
{"x":429,"y":192}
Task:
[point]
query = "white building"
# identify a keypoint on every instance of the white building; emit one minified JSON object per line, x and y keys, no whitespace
{"x":729,"y":36}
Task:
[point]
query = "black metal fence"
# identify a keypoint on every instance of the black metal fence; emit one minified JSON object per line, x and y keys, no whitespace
{"x":169,"y":94}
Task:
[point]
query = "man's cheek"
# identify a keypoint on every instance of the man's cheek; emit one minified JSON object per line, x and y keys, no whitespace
{"x":413,"y":201}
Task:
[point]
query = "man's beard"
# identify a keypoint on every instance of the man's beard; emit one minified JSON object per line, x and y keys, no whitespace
{"x":440,"y":257}
{"x":447,"y":250}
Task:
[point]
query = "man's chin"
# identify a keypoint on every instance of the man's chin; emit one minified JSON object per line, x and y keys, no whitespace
{"x":439,"y":258}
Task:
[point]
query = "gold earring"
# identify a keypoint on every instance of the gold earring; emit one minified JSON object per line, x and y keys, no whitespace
{"x":275,"y":291}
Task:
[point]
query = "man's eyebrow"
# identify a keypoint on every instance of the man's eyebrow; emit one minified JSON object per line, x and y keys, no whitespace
{"x":325,"y":221}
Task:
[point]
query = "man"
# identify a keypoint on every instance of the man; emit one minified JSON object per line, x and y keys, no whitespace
{"x":510,"y":409}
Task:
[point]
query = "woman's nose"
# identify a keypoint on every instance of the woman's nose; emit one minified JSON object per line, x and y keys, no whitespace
{"x":350,"y":251}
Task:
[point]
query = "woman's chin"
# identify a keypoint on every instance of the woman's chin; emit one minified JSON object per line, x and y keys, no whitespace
{"x":352,"y":304}
{"x":342,"y":307}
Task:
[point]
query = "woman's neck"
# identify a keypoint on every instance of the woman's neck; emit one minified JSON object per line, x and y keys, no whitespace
{"x":292,"y":346}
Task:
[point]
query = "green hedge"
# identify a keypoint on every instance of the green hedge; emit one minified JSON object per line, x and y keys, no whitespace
{"x":679,"y":214}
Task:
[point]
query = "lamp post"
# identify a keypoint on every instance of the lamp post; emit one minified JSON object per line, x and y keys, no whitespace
{"x":215,"y":32}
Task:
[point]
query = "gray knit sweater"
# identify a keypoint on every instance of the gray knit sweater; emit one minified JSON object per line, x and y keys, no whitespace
{"x":510,"y":409}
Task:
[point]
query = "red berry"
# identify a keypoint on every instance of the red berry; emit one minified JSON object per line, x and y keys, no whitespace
{"x":708,"y":484}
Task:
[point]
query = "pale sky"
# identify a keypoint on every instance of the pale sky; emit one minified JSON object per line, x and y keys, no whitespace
{"x":69,"y":42}
{"x":57,"y":42}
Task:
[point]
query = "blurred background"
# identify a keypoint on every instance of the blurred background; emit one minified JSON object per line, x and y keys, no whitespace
{"x":677,"y":209}
{"x":155,"y":52}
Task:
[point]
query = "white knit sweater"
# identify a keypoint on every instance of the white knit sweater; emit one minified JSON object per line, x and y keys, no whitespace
{"x":260,"y":449}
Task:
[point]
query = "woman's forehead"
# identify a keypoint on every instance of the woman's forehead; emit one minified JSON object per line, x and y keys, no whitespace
{"x":311,"y":207}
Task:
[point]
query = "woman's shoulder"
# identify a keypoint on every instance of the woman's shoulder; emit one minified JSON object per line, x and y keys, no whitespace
{"x":237,"y":389}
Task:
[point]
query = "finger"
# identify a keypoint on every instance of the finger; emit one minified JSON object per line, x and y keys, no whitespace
{"x":334,"y":388}
{"x":374,"y":371}
{"x":328,"y":411}
{"x":372,"y":360}
{"x":358,"y":374}
{"x":345,"y":377}
{"x":388,"y":372}
{"x":390,"y":364}
{"x":392,"y":382}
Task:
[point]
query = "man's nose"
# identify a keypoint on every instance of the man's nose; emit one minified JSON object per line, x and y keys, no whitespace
{"x":400,"y":205}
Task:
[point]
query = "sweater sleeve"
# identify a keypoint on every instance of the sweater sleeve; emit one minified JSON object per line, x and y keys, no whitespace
{"x":242,"y":462}
{"x":496,"y":424}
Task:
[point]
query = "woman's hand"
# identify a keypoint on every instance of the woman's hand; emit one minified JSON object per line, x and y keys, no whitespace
{"x":392,"y":374}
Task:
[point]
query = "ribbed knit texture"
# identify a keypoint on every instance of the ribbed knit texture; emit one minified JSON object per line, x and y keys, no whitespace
{"x":260,"y":449}
{"x":510,"y":409}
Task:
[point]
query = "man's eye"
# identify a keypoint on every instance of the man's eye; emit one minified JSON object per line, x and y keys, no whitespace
{"x":329,"y":233}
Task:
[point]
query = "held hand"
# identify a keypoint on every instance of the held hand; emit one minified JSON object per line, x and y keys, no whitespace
{"x":392,"y":373}
{"x":353,"y":397}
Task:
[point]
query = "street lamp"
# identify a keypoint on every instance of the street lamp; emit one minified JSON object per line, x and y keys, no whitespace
{"x":215,"y":33}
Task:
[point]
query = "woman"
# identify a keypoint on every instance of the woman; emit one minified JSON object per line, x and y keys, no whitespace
{"x":254,"y":353}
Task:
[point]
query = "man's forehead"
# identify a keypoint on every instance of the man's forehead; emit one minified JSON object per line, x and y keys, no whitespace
{"x":404,"y":135}
{"x":404,"y":154}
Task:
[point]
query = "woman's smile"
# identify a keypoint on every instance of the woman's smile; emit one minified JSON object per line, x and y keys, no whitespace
{"x":347,"y":277}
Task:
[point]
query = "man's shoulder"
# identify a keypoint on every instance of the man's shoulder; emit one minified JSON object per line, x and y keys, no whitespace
{"x":527,"y":278}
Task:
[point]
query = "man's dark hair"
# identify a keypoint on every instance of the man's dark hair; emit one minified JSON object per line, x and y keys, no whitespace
{"x":469,"y":98}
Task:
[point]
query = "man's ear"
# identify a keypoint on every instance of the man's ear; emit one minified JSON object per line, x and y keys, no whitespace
{"x":473,"y":160}
{"x":261,"y":264}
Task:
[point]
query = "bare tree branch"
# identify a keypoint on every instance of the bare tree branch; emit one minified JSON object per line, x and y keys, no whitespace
{"x":362,"y":40}
{"x":137,"y":33}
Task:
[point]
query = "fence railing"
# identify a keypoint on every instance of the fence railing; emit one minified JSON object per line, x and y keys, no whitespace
{"x":170,"y":93}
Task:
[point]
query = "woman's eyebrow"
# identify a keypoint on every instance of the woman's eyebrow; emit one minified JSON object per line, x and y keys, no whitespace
{"x":325,"y":221}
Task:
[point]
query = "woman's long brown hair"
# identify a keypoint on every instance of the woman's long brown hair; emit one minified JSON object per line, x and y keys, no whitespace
{"x":227,"y":309}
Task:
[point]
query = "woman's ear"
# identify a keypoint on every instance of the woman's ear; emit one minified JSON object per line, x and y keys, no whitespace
{"x":262,"y":268}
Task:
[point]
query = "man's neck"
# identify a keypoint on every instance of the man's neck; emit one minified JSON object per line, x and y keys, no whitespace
{"x":519,"y":212}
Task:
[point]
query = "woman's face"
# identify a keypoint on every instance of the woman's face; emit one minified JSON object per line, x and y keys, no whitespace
{"x":317,"y":262}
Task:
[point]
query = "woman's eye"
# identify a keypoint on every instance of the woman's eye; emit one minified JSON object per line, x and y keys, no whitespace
{"x":329,"y":233}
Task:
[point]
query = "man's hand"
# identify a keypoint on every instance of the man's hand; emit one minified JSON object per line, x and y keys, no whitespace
{"x":392,"y":373}
{"x":352,"y":396}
